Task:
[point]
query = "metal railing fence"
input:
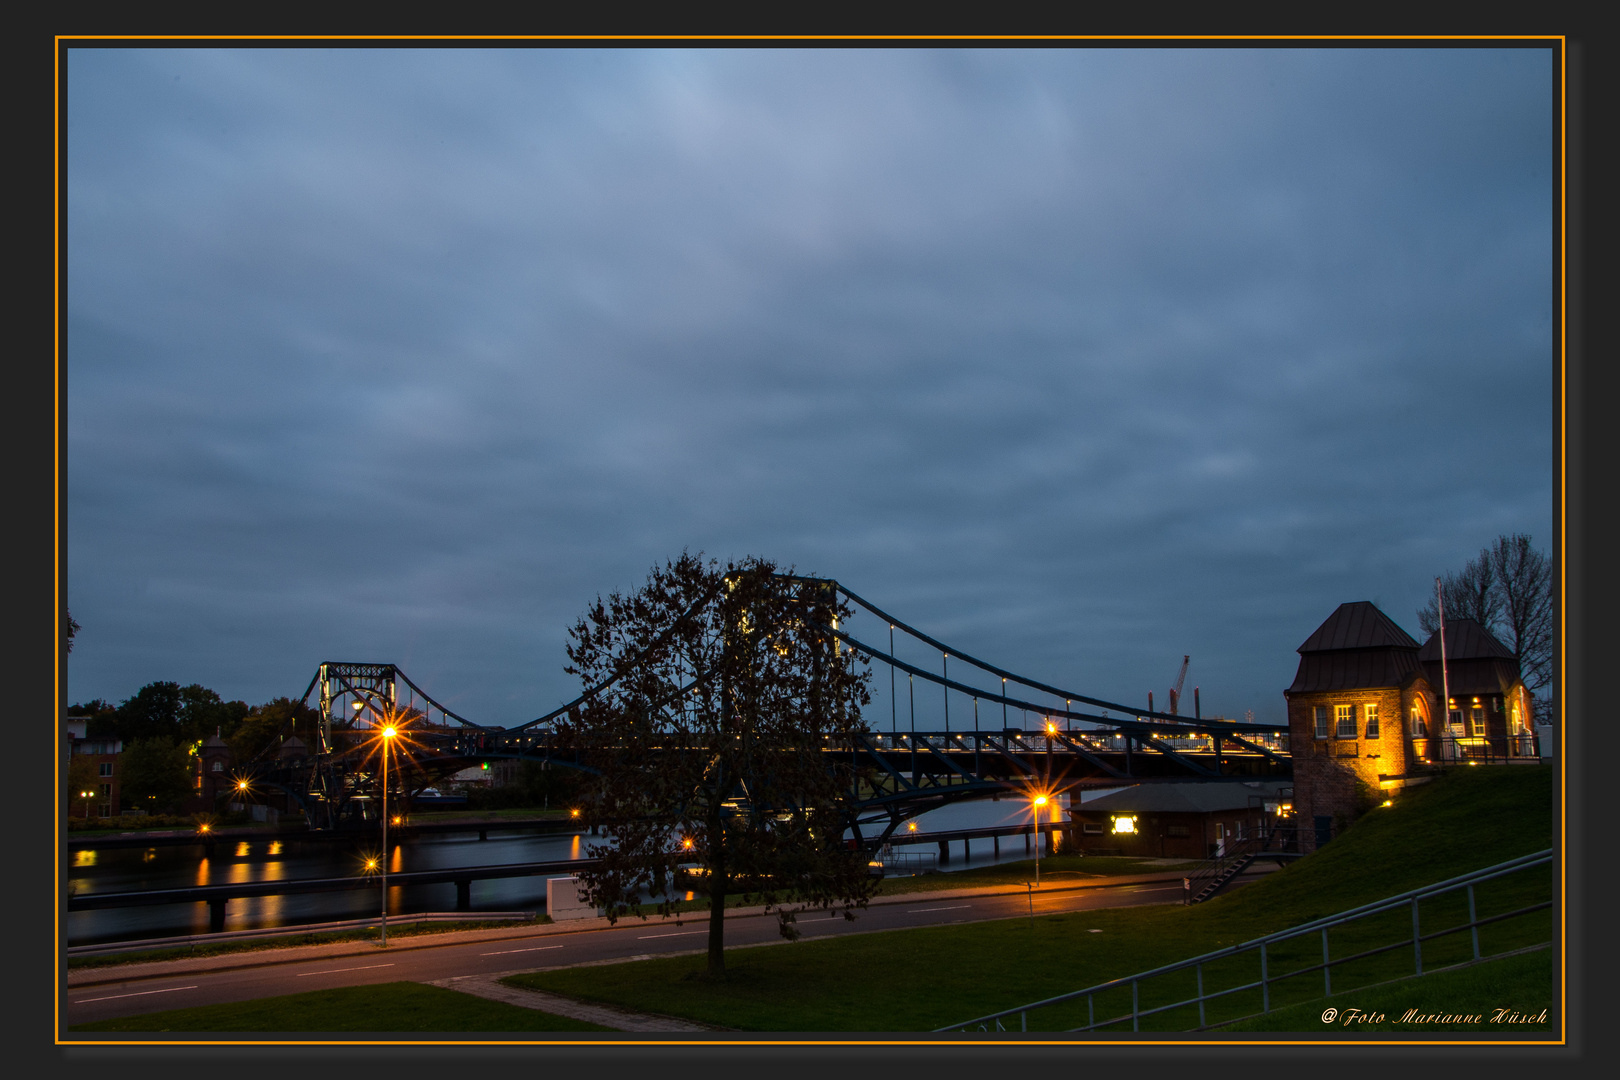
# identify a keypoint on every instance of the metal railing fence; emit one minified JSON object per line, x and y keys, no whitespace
{"x":1265,"y":946}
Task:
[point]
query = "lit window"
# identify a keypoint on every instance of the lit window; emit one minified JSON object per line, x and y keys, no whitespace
{"x":1476,"y":718}
{"x":1518,"y":720}
{"x":1345,"y":718}
{"x":1124,"y":825}
{"x":1372,"y":721}
{"x":1417,"y":729}
{"x":1321,"y":722}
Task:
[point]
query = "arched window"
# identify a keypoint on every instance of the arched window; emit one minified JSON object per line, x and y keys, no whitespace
{"x":218,"y":766}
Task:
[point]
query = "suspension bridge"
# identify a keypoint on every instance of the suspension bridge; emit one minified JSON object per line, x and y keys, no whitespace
{"x":1012,"y":734}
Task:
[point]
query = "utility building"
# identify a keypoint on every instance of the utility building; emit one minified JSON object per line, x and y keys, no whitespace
{"x":1364,"y":715}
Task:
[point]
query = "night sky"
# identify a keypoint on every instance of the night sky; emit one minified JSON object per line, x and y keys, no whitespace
{"x":1080,"y":360}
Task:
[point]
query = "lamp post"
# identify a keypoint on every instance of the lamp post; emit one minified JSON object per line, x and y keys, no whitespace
{"x":1035,"y":812}
{"x":388,"y":733}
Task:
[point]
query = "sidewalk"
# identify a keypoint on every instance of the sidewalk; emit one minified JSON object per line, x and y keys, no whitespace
{"x":120,"y":973}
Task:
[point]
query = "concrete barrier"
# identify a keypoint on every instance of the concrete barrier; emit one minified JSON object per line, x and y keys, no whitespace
{"x":563,"y":902}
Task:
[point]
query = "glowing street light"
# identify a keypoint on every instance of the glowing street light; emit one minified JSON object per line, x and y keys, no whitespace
{"x":86,"y":796}
{"x":1035,"y":812}
{"x":388,"y":734}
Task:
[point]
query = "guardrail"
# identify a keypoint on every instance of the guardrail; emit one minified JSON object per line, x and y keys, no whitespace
{"x":1264,"y":945}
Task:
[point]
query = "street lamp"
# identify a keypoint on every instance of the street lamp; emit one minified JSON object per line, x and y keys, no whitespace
{"x":1035,"y":812}
{"x":86,"y":796}
{"x":388,"y":734}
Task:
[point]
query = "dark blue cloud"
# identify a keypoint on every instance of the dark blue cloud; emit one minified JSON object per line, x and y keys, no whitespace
{"x":1081,"y":359}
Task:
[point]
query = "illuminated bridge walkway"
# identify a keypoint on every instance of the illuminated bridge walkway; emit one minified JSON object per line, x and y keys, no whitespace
{"x":984,"y":730}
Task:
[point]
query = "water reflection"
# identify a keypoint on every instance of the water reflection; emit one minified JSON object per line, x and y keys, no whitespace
{"x":145,"y":869}
{"x":84,"y":858}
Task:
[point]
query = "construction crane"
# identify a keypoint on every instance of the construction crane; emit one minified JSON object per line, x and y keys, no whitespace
{"x":1175,"y":691}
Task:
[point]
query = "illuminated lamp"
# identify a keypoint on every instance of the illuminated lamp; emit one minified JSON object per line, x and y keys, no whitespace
{"x":1125,"y":823}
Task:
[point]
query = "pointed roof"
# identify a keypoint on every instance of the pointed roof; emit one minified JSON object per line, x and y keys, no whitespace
{"x":1358,"y":625}
{"x":1465,"y":640}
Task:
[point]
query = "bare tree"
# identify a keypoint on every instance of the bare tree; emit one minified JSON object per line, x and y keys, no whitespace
{"x":1524,"y":582}
{"x":717,"y":696}
{"x":1472,"y":594}
{"x":1508,"y":589}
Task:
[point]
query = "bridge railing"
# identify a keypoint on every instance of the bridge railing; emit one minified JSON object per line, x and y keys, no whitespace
{"x":1281,"y":958}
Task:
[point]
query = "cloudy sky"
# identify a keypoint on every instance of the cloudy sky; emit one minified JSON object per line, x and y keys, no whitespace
{"x":1080,"y":360}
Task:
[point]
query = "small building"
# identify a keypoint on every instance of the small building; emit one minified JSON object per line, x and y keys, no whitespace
{"x":103,"y":757}
{"x":1489,"y":714}
{"x":1364,"y":716}
{"x":213,"y":777}
{"x":1359,"y":689}
{"x":1195,"y":820}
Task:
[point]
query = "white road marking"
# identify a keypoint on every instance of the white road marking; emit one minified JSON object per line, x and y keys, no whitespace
{"x":683,"y":933}
{"x":953,"y":907}
{"x":334,"y":971}
{"x":506,"y":952}
{"x":141,"y":993}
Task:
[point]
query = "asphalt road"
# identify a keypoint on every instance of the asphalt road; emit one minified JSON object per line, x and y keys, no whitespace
{"x":107,"y":993}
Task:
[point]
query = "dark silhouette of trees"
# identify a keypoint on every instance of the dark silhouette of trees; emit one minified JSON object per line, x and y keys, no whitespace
{"x":1510,"y":589}
{"x":709,"y":743}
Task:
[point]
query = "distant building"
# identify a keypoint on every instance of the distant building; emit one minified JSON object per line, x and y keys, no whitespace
{"x":104,"y":755}
{"x":1179,"y":821}
{"x":1364,"y":713}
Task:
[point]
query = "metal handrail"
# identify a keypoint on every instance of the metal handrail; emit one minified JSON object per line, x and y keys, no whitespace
{"x":1322,"y":925}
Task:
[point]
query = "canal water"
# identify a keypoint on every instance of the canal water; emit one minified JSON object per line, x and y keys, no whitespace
{"x":111,"y":870}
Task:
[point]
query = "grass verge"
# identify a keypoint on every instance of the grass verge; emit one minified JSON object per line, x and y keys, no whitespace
{"x":400,"y":1006}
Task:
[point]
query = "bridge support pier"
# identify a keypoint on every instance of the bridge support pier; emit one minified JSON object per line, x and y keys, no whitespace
{"x":997,"y":841}
{"x":944,"y":852}
{"x":464,"y":894}
{"x":967,"y":850}
{"x":483,"y":834}
{"x":216,"y":916}
{"x":1026,"y":843}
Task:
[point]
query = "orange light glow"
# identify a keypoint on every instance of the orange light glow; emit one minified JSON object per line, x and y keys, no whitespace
{"x":687,"y":843}
{"x":574,"y":812}
{"x":388,"y":732}
{"x":911,"y":826}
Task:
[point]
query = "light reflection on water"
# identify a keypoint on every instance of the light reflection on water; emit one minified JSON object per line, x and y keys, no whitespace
{"x":131,"y":870}
{"x":135,"y":870}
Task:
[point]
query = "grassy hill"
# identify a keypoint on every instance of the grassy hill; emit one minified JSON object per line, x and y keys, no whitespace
{"x":914,"y":980}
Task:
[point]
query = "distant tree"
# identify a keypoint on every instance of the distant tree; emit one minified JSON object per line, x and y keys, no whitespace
{"x":152,"y":713}
{"x":1509,"y":589}
{"x":157,"y":775}
{"x":265,"y":727}
{"x":728,"y":690}
{"x":72,"y":628}
{"x":203,"y":712}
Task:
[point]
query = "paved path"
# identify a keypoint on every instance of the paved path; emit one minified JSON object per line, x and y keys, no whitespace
{"x":489,"y":986}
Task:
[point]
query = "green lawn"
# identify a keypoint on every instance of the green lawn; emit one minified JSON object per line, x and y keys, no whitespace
{"x":921,"y":979}
{"x":400,"y":1006}
{"x":1502,"y":994}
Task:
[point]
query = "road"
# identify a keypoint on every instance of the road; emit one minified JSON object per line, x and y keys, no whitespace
{"x":108,"y":993}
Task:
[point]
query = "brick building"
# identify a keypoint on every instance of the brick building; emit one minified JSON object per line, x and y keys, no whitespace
{"x":1359,"y":687}
{"x":1490,"y":714}
{"x":1364,"y":714}
{"x":101,"y":757}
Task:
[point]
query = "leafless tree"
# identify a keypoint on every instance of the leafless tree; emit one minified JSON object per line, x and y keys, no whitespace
{"x":1508,"y":589}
